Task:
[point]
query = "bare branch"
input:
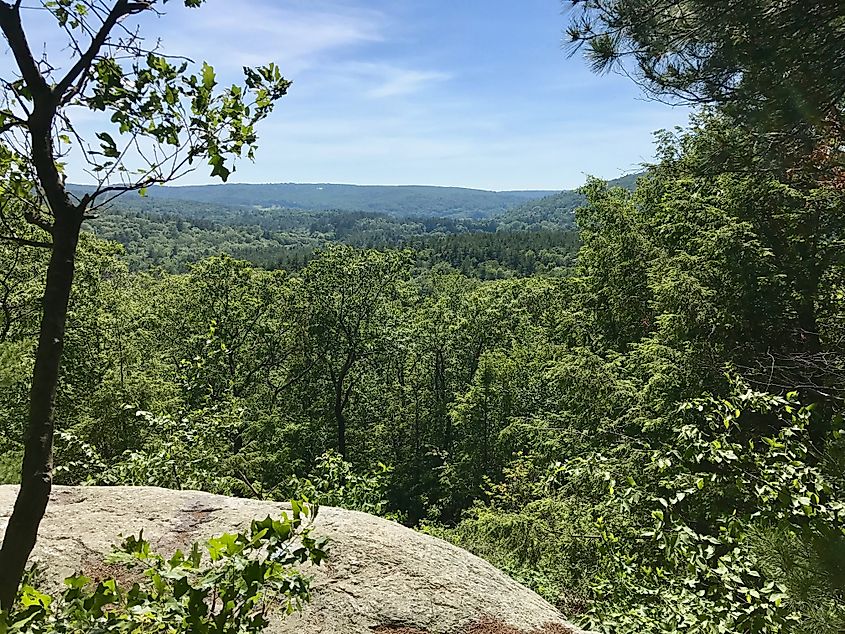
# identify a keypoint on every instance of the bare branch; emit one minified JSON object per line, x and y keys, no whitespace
{"x":10,"y":24}
{"x":121,"y":9}
{"x":27,"y":243}
{"x":12,"y":121}
{"x":32,"y":219}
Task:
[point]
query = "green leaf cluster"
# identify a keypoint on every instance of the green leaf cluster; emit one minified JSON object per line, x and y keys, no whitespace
{"x":233,"y":583}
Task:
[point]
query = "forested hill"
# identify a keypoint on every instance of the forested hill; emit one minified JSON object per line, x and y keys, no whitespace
{"x":163,"y":230}
{"x":406,"y":200}
{"x":555,"y":211}
{"x":398,"y":200}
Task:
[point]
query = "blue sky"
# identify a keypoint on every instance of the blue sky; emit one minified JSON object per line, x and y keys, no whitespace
{"x":475,"y":93}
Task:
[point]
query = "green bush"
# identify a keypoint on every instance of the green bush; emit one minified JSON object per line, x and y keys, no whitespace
{"x":745,"y":533}
{"x":10,"y":467}
{"x":228,"y":585}
{"x":334,"y":482}
{"x":189,"y":452}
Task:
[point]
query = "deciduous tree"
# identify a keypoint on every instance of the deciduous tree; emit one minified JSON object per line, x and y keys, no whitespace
{"x":158,"y":121}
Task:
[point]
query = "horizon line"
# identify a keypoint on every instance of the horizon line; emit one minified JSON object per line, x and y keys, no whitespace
{"x":317,"y":184}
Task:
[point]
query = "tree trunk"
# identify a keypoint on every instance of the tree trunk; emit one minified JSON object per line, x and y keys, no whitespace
{"x":37,"y":469}
{"x":340,"y":419}
{"x":341,"y":398}
{"x":440,"y":400}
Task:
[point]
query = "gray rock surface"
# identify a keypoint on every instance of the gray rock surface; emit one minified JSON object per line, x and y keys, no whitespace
{"x":380,"y":576}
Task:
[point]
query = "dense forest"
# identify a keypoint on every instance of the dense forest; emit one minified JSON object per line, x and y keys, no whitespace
{"x":172,"y":240}
{"x":409,"y":200}
{"x":172,"y":231}
{"x":628,"y":397}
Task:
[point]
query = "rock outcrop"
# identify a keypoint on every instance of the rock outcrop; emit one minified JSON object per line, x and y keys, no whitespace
{"x":380,"y":576}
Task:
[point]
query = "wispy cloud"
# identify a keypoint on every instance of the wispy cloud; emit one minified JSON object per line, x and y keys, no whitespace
{"x":374,"y":80}
{"x":316,"y":42}
{"x":296,"y":35}
{"x":395,"y":81}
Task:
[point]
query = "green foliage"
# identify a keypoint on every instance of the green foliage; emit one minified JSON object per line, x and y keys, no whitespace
{"x":555,"y":211}
{"x":192,"y":453}
{"x":172,"y":234}
{"x":334,"y":482}
{"x":10,"y":467}
{"x":719,"y":495}
{"x":500,"y":255}
{"x":542,"y":539}
{"x":175,"y":227}
{"x":229,"y":584}
{"x":778,"y":65}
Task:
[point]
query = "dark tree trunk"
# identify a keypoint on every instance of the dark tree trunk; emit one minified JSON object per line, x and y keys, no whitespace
{"x":808,"y":326}
{"x":340,"y":419}
{"x":37,"y":469}
{"x":341,"y":398}
{"x":440,"y":399}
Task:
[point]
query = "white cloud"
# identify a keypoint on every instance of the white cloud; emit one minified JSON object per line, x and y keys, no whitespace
{"x":395,"y":81}
{"x":294,"y":34}
{"x":314,"y":42}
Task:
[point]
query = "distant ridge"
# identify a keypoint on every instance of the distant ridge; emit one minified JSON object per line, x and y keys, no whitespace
{"x":395,"y":200}
{"x":392,"y":199}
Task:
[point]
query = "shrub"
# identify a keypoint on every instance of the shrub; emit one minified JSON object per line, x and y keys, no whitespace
{"x":225,"y":586}
{"x":334,"y":482}
{"x":746,"y":530}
